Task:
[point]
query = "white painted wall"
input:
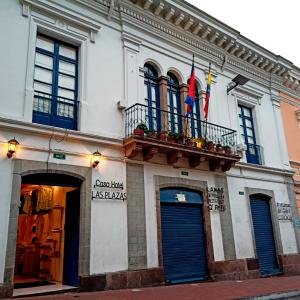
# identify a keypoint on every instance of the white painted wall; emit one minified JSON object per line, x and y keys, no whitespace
{"x":109,"y":246}
{"x":110,"y":70}
{"x":240,"y":211}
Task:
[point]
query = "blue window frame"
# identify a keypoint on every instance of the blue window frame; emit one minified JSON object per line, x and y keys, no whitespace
{"x":196,"y":117}
{"x":174,"y":104}
{"x":55,"y":83}
{"x":248,"y":135}
{"x":152,"y":99}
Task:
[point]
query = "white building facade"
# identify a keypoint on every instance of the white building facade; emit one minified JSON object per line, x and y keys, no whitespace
{"x":79,"y":77}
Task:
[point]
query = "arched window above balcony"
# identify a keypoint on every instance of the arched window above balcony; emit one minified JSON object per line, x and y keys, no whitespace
{"x":174,"y":103}
{"x":152,"y":97}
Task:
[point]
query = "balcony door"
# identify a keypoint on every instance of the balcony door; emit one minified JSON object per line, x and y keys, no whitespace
{"x":152,"y":101}
{"x":174,"y":104}
{"x":196,"y":117}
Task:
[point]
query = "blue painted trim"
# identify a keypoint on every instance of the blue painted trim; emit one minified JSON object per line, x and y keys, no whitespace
{"x":53,"y":118}
{"x":251,"y":158}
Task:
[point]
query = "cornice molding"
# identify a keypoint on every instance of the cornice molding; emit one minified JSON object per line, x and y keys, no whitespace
{"x":44,"y":130}
{"x":220,"y":38}
{"x":63,"y":13}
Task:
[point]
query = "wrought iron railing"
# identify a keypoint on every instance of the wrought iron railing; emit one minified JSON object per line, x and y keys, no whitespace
{"x":253,"y":154}
{"x":51,"y":104}
{"x":157,"y":122}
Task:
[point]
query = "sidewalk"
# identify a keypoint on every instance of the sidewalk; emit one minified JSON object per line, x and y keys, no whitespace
{"x":206,"y":291}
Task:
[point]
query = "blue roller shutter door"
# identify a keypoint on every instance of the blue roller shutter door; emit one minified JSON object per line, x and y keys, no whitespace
{"x":264,"y":238}
{"x":183,"y":242}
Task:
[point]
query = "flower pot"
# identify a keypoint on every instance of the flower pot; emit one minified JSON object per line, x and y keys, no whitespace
{"x":138,"y":131}
{"x":162,"y":137}
{"x":219,"y":148}
{"x":228,"y":150}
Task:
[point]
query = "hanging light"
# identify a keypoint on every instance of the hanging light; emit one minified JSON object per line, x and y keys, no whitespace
{"x":12,"y":147}
{"x":96,"y":158}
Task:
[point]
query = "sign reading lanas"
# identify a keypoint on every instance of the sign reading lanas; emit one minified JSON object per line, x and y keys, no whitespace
{"x":111,"y":190}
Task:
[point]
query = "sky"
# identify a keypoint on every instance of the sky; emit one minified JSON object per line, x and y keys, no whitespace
{"x":273,"y":24}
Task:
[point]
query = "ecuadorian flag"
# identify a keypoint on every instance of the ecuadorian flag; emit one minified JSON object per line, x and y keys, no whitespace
{"x":207,"y":94}
{"x":190,"y":99}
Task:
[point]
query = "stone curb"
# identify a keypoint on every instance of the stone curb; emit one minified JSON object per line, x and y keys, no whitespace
{"x":279,"y":295}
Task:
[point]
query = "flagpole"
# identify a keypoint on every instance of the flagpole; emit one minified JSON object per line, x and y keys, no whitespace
{"x":205,"y":136}
{"x":186,"y":115}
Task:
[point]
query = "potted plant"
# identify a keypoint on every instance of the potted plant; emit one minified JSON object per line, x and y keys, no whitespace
{"x":140,"y":129}
{"x":171,"y":136}
{"x":227,"y":149}
{"x":151,"y":134}
{"x":209,"y":146}
{"x":162,"y":136}
{"x":219,"y":147}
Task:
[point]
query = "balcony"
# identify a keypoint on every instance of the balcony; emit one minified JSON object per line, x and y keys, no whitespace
{"x":55,"y":111}
{"x":150,"y":131}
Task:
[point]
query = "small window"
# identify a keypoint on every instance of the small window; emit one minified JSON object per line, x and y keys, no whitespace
{"x":55,"y":83}
{"x":253,"y":153}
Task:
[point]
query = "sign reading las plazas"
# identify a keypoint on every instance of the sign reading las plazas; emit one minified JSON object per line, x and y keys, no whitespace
{"x":110,"y":190}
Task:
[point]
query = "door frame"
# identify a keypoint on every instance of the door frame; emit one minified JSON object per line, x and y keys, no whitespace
{"x":193,"y":185}
{"x":267,"y":194}
{"x":26,"y":167}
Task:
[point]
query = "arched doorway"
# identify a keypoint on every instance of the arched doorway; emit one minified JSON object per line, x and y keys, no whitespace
{"x":264,"y":234}
{"x":47,"y":247}
{"x":183,"y":235}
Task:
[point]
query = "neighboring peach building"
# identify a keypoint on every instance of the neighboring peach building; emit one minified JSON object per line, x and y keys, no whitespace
{"x":290,"y":109}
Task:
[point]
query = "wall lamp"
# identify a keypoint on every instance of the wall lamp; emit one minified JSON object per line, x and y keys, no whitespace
{"x":96,"y":157}
{"x":238,"y":80}
{"x":12,"y":147}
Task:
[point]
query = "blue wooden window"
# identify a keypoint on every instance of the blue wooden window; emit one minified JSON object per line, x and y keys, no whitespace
{"x":152,"y":99}
{"x":196,"y":117}
{"x":248,"y":135}
{"x":174,"y":104}
{"x":55,"y":83}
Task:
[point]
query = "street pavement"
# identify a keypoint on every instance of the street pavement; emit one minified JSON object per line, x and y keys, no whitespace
{"x":275,"y":287}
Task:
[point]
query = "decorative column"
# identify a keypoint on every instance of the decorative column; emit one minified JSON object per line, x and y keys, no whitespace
{"x":131,"y":48}
{"x":183,"y":94}
{"x":163,"y":94}
{"x":279,"y":129}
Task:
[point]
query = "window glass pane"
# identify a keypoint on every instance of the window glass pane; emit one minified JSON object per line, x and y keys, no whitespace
{"x":67,"y":51}
{"x":153,"y":93}
{"x":67,"y":68}
{"x":174,"y":101}
{"x":240,"y":110}
{"x":66,"y":93}
{"x":247,"y":112}
{"x":249,"y":132}
{"x":44,"y":60}
{"x":41,"y":104}
{"x":241,"y":121}
{"x":44,"y":88}
{"x":248,"y":123}
{"x":44,"y":43}
{"x":43,"y":75}
{"x":65,"y":110}
{"x":250,"y":140}
{"x":66,"y":81}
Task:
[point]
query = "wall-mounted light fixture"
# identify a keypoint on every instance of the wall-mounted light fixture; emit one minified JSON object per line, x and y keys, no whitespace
{"x":237,"y":80}
{"x":96,"y":158}
{"x":12,"y":147}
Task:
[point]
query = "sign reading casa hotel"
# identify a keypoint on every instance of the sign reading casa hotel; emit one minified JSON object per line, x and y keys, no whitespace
{"x":110,"y":190}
